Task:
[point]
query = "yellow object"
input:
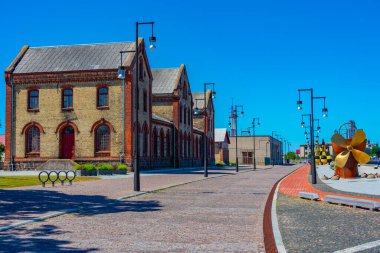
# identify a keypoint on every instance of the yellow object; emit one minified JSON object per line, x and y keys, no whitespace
{"x":360,"y":156}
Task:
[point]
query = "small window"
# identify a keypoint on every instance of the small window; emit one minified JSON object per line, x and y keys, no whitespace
{"x":33,"y":140}
{"x":145,"y":100}
{"x":141,"y":70}
{"x":184,"y":91}
{"x":103,"y":138}
{"x":184,"y":115}
{"x":103,"y":97}
{"x":155,"y":143}
{"x":67,"y":99}
{"x":33,"y":98}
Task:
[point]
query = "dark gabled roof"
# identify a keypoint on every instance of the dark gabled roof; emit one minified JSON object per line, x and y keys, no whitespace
{"x":75,"y":57}
{"x":157,"y":117}
{"x":165,"y":81}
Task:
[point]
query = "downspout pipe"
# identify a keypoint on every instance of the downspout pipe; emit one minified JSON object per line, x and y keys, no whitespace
{"x":12,"y":121}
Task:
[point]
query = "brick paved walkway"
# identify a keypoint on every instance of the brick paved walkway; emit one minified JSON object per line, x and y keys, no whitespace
{"x":25,"y":203}
{"x":223,"y":214}
{"x":298,"y":181}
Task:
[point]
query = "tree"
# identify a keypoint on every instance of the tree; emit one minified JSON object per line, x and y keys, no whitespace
{"x":2,"y":148}
{"x":291,"y":155}
{"x":374,"y":151}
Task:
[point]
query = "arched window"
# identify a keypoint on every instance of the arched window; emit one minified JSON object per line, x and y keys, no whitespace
{"x":180,"y":145}
{"x":162,"y":143}
{"x":188,"y":146}
{"x":33,"y":140}
{"x":200,"y":147}
{"x":103,"y":97}
{"x":102,"y":138}
{"x":189,"y":117}
{"x":184,"y":145}
{"x":155,"y":143}
{"x":168,"y":147}
{"x":33,"y":99}
{"x":67,"y":98}
{"x":145,"y":141}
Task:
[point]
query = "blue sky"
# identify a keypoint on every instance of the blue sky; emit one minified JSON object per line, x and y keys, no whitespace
{"x":257,"y":52}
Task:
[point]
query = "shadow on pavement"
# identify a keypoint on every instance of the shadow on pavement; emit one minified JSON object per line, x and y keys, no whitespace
{"x":28,"y":204}
{"x":192,"y":171}
{"x":35,"y":240}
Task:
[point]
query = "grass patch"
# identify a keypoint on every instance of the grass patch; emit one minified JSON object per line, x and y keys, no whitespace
{"x":19,"y":181}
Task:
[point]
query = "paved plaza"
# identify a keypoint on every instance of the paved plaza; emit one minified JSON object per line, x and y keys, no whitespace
{"x":220,"y":214}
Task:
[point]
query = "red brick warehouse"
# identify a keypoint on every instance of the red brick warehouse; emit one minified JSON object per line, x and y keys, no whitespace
{"x":65,"y":102}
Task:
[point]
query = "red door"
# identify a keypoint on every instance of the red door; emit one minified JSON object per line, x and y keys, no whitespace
{"x":67,"y":143}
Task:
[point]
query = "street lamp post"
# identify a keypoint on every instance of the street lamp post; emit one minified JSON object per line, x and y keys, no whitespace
{"x":254,"y":139}
{"x":324,"y":115}
{"x":235,"y":116}
{"x":205,"y":125}
{"x":121,"y":75}
{"x":271,"y":148}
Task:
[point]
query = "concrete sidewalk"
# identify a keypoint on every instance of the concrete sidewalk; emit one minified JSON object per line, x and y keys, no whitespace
{"x":298,"y":181}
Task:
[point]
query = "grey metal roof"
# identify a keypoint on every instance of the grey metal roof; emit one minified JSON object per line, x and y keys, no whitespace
{"x":199,"y":99}
{"x":75,"y":57}
{"x":220,"y":134}
{"x":157,"y":117}
{"x":165,"y":80}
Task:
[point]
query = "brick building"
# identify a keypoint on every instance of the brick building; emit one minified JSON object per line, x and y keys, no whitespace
{"x":204,"y":120}
{"x":222,"y":139}
{"x":65,"y":102}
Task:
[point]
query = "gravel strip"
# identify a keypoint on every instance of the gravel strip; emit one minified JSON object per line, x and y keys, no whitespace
{"x":309,"y":226}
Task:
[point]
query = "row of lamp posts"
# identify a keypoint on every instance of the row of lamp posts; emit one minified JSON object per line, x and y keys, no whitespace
{"x":311,"y":116}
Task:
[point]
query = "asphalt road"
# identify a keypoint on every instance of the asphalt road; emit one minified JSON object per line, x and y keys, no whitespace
{"x":222,"y":214}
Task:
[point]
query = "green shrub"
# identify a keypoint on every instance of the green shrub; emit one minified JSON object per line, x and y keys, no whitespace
{"x":78,"y":167}
{"x":104,"y":166}
{"x":232,"y":163}
{"x":220,"y":164}
{"x":121,"y":167}
{"x":88,"y":166}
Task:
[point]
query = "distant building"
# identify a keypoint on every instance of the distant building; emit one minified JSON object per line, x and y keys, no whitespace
{"x":268,"y":150}
{"x":222,"y":139}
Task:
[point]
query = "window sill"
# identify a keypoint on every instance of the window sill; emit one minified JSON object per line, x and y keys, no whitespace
{"x":102,"y":153}
{"x":34,"y":110}
{"x":68,"y":109}
{"x":32,"y":155}
{"x":103,"y":107}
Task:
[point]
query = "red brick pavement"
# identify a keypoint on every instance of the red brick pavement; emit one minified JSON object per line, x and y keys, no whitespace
{"x":298,"y":181}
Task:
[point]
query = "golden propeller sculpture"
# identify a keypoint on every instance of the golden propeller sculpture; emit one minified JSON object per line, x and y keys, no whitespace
{"x":349,"y":154}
